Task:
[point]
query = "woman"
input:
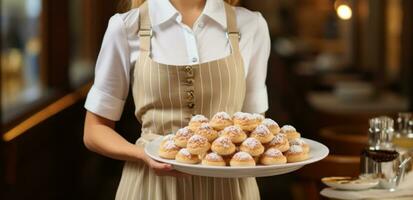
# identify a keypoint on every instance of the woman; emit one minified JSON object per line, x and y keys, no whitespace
{"x":181,"y":57}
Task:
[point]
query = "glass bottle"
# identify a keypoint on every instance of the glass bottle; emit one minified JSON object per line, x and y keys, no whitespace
{"x":403,"y":138}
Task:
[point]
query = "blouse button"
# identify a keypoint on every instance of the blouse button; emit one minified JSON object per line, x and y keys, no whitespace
{"x":190,"y":95}
{"x":189,"y":81}
{"x":191,"y":105}
{"x":189,"y":71}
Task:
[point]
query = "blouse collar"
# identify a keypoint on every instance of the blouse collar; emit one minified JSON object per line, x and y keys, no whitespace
{"x":161,"y":11}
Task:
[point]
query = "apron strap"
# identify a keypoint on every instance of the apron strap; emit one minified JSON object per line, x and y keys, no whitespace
{"x":232,"y":28}
{"x":145,"y":29}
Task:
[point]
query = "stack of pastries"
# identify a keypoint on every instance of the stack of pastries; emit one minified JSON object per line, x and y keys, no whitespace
{"x":243,"y":139}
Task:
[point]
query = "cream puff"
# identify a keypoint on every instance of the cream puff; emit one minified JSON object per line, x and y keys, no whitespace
{"x":213,"y":159}
{"x":184,"y":156}
{"x":207,"y":131}
{"x":271,"y":125}
{"x":302,"y":143}
{"x":223,"y":146}
{"x":198,"y":145}
{"x":290,"y":132}
{"x":258,"y":117}
{"x":279,"y":142}
{"x":252,"y":146}
{"x":296,"y":154}
{"x":262,"y":134}
{"x":273,"y":156}
{"x":182,"y":136}
{"x":168,"y":150}
{"x":246,"y":121}
{"x":220,"y":120}
{"x":235,"y":133}
{"x":196,"y":121}
{"x":242,"y":159}
{"x":167,"y":138}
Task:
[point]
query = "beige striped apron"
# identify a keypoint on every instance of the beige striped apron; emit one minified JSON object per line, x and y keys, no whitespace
{"x":166,"y":97}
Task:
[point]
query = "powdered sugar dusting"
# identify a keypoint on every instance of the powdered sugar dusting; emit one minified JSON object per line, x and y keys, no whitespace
{"x":236,"y":129}
{"x":258,"y":116}
{"x":269,"y":122}
{"x":297,"y":141}
{"x":279,"y":138}
{"x":198,"y":139}
{"x":243,"y":116}
{"x":295,"y":149}
{"x":184,"y":132}
{"x":169,"y":145}
{"x":185,"y":152}
{"x":222,"y":115}
{"x":224,"y":141}
{"x":214,"y":157}
{"x":205,"y":126}
{"x":288,"y":128}
{"x":242,"y":156}
{"x":199,"y":118}
{"x":168,"y":137}
{"x":261,"y":130}
{"x":251,"y":143}
{"x":273,"y":152}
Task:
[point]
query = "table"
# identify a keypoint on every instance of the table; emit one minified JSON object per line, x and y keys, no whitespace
{"x":404,"y":192}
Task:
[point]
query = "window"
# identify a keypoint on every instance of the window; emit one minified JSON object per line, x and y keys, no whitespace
{"x":48,"y":50}
{"x":20,"y":55}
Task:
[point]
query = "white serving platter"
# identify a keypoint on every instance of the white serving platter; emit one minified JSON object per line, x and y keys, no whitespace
{"x":318,"y":151}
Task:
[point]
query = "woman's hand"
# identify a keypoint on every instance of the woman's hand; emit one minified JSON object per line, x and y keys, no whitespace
{"x":163,"y":169}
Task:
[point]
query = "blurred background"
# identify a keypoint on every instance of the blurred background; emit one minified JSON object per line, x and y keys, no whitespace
{"x":334,"y":64}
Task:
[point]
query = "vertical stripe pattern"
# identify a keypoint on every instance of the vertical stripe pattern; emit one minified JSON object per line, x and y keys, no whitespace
{"x":163,"y":95}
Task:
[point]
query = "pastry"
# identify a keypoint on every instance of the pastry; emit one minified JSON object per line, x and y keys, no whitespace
{"x":223,"y":146}
{"x":262,"y":134}
{"x":242,"y":159}
{"x":184,"y":156}
{"x":273,"y":156}
{"x":197,"y":145}
{"x":252,"y":146}
{"x":258,"y":117}
{"x":302,"y":143}
{"x":246,"y":121}
{"x":296,"y":154}
{"x":235,"y":133}
{"x":220,"y":120}
{"x":196,"y":121}
{"x":167,"y":138}
{"x":207,"y":131}
{"x":279,"y":142}
{"x":213,"y":159}
{"x":182,"y":136}
{"x":168,"y":150}
{"x":290,"y":132}
{"x":271,"y":125}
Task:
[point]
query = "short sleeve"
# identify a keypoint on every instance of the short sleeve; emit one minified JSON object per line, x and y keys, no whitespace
{"x":256,"y":98}
{"x":107,"y":96}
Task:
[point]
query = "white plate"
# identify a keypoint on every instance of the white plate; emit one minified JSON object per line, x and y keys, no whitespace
{"x":359,"y":184}
{"x":318,"y":152}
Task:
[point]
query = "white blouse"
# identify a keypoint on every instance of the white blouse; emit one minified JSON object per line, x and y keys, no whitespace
{"x":175,"y":43}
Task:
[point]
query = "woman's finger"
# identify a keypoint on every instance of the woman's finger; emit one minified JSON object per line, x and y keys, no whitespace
{"x":160,"y":166}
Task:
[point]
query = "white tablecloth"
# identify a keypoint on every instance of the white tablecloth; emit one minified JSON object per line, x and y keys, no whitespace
{"x":403,"y":192}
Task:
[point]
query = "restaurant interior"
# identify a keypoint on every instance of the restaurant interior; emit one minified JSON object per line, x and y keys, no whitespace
{"x":334,"y":65}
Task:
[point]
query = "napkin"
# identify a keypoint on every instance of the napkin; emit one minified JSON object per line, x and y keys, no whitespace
{"x":405,"y":189}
